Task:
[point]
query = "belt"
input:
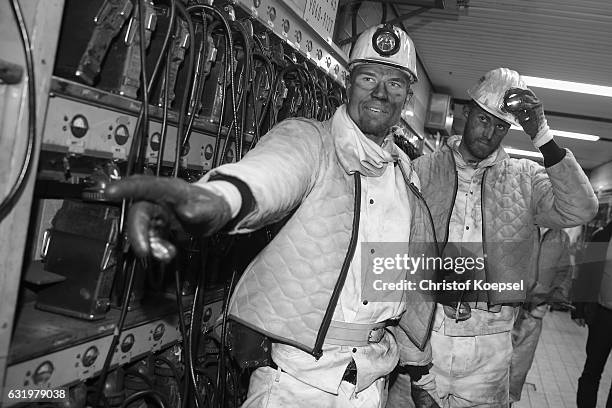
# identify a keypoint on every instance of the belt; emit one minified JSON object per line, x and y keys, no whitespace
{"x":350,"y":374}
{"x":356,"y":334}
{"x":461,"y":311}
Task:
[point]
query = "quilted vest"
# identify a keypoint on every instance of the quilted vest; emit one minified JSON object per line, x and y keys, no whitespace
{"x":289,"y":291}
{"x":517,"y":196}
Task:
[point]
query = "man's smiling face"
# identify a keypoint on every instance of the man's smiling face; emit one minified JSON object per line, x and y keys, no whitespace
{"x":377,"y":94}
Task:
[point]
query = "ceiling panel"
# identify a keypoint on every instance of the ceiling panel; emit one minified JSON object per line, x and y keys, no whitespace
{"x":558,"y":39}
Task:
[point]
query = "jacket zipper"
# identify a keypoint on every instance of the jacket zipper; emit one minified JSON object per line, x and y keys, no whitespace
{"x":420,"y":197}
{"x":541,"y":238}
{"x":452,"y":207}
{"x":329,"y":312}
{"x":416,"y":192}
{"x":482,"y":214}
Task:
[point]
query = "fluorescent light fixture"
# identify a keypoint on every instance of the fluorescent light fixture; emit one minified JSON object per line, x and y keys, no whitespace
{"x":521,"y":152}
{"x":568,"y":86}
{"x":571,"y":135}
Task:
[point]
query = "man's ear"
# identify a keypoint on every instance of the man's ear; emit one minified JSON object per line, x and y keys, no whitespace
{"x":466,"y":109}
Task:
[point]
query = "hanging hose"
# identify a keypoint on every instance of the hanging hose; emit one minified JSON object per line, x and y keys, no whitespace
{"x":215,"y":157}
{"x":9,"y":202}
{"x":196,"y":88}
{"x":137,"y":146}
{"x":184,"y":101}
{"x":118,"y":329}
{"x":164,"y":125}
{"x":230,"y":56}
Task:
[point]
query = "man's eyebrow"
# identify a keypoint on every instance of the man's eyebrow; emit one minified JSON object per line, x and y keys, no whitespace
{"x":366,"y":72}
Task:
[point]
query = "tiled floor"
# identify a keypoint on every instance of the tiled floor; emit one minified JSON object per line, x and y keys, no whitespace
{"x":553,"y":378}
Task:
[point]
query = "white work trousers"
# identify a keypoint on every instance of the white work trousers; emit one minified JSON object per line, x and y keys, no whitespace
{"x":472,"y":371}
{"x":274,"y":388}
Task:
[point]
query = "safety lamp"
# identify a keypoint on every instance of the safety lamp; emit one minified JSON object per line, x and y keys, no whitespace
{"x":385,"y":41}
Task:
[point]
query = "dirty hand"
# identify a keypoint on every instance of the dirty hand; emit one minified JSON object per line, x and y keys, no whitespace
{"x":162,"y":205}
{"x":528,"y":110}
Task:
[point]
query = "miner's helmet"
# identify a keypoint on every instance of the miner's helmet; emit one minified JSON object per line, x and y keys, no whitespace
{"x":490,"y":90}
{"x":388,"y":45}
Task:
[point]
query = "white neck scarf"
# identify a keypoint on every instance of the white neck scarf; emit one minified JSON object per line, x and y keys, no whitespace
{"x":356,"y":152}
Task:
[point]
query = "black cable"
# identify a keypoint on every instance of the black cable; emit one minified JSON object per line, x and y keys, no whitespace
{"x":164,"y":45}
{"x":195,"y":325}
{"x":164,"y":125}
{"x":189,"y":375}
{"x":184,"y":101}
{"x":9,"y":202}
{"x":247,"y":81}
{"x":183,"y":330}
{"x":280,"y":77}
{"x":175,"y":371}
{"x":154,"y":395}
{"x":196,"y":87}
{"x":270,"y":76}
{"x":190,"y":352}
{"x":144,"y":131}
{"x":117,"y":333}
{"x":234,"y":378}
{"x":255,"y":116}
{"x":136,"y":141}
{"x":228,"y":142}
{"x":105,"y":401}
{"x":208,"y":384}
{"x":221,"y":372}
{"x":232,"y":126}
{"x":217,"y":146}
{"x":140,"y":375}
{"x":230,"y":56}
{"x":165,"y":90}
{"x":309,"y":85}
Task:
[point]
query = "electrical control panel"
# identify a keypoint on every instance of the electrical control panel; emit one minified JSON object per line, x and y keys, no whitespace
{"x":86,"y":121}
{"x":308,"y":32}
{"x":64,"y":366}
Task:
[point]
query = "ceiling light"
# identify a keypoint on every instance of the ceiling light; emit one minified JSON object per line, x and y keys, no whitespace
{"x":521,"y":152}
{"x":568,"y":86}
{"x":571,"y":135}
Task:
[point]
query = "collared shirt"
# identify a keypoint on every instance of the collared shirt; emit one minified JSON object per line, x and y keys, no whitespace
{"x":385,"y":217}
{"x":466,"y":227}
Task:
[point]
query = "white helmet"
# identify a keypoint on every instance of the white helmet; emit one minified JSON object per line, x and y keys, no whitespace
{"x":491,"y":88}
{"x":388,"y":45}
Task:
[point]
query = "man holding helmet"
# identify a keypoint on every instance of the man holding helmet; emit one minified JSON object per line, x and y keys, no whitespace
{"x":483,"y":200}
{"x":348,"y":184}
